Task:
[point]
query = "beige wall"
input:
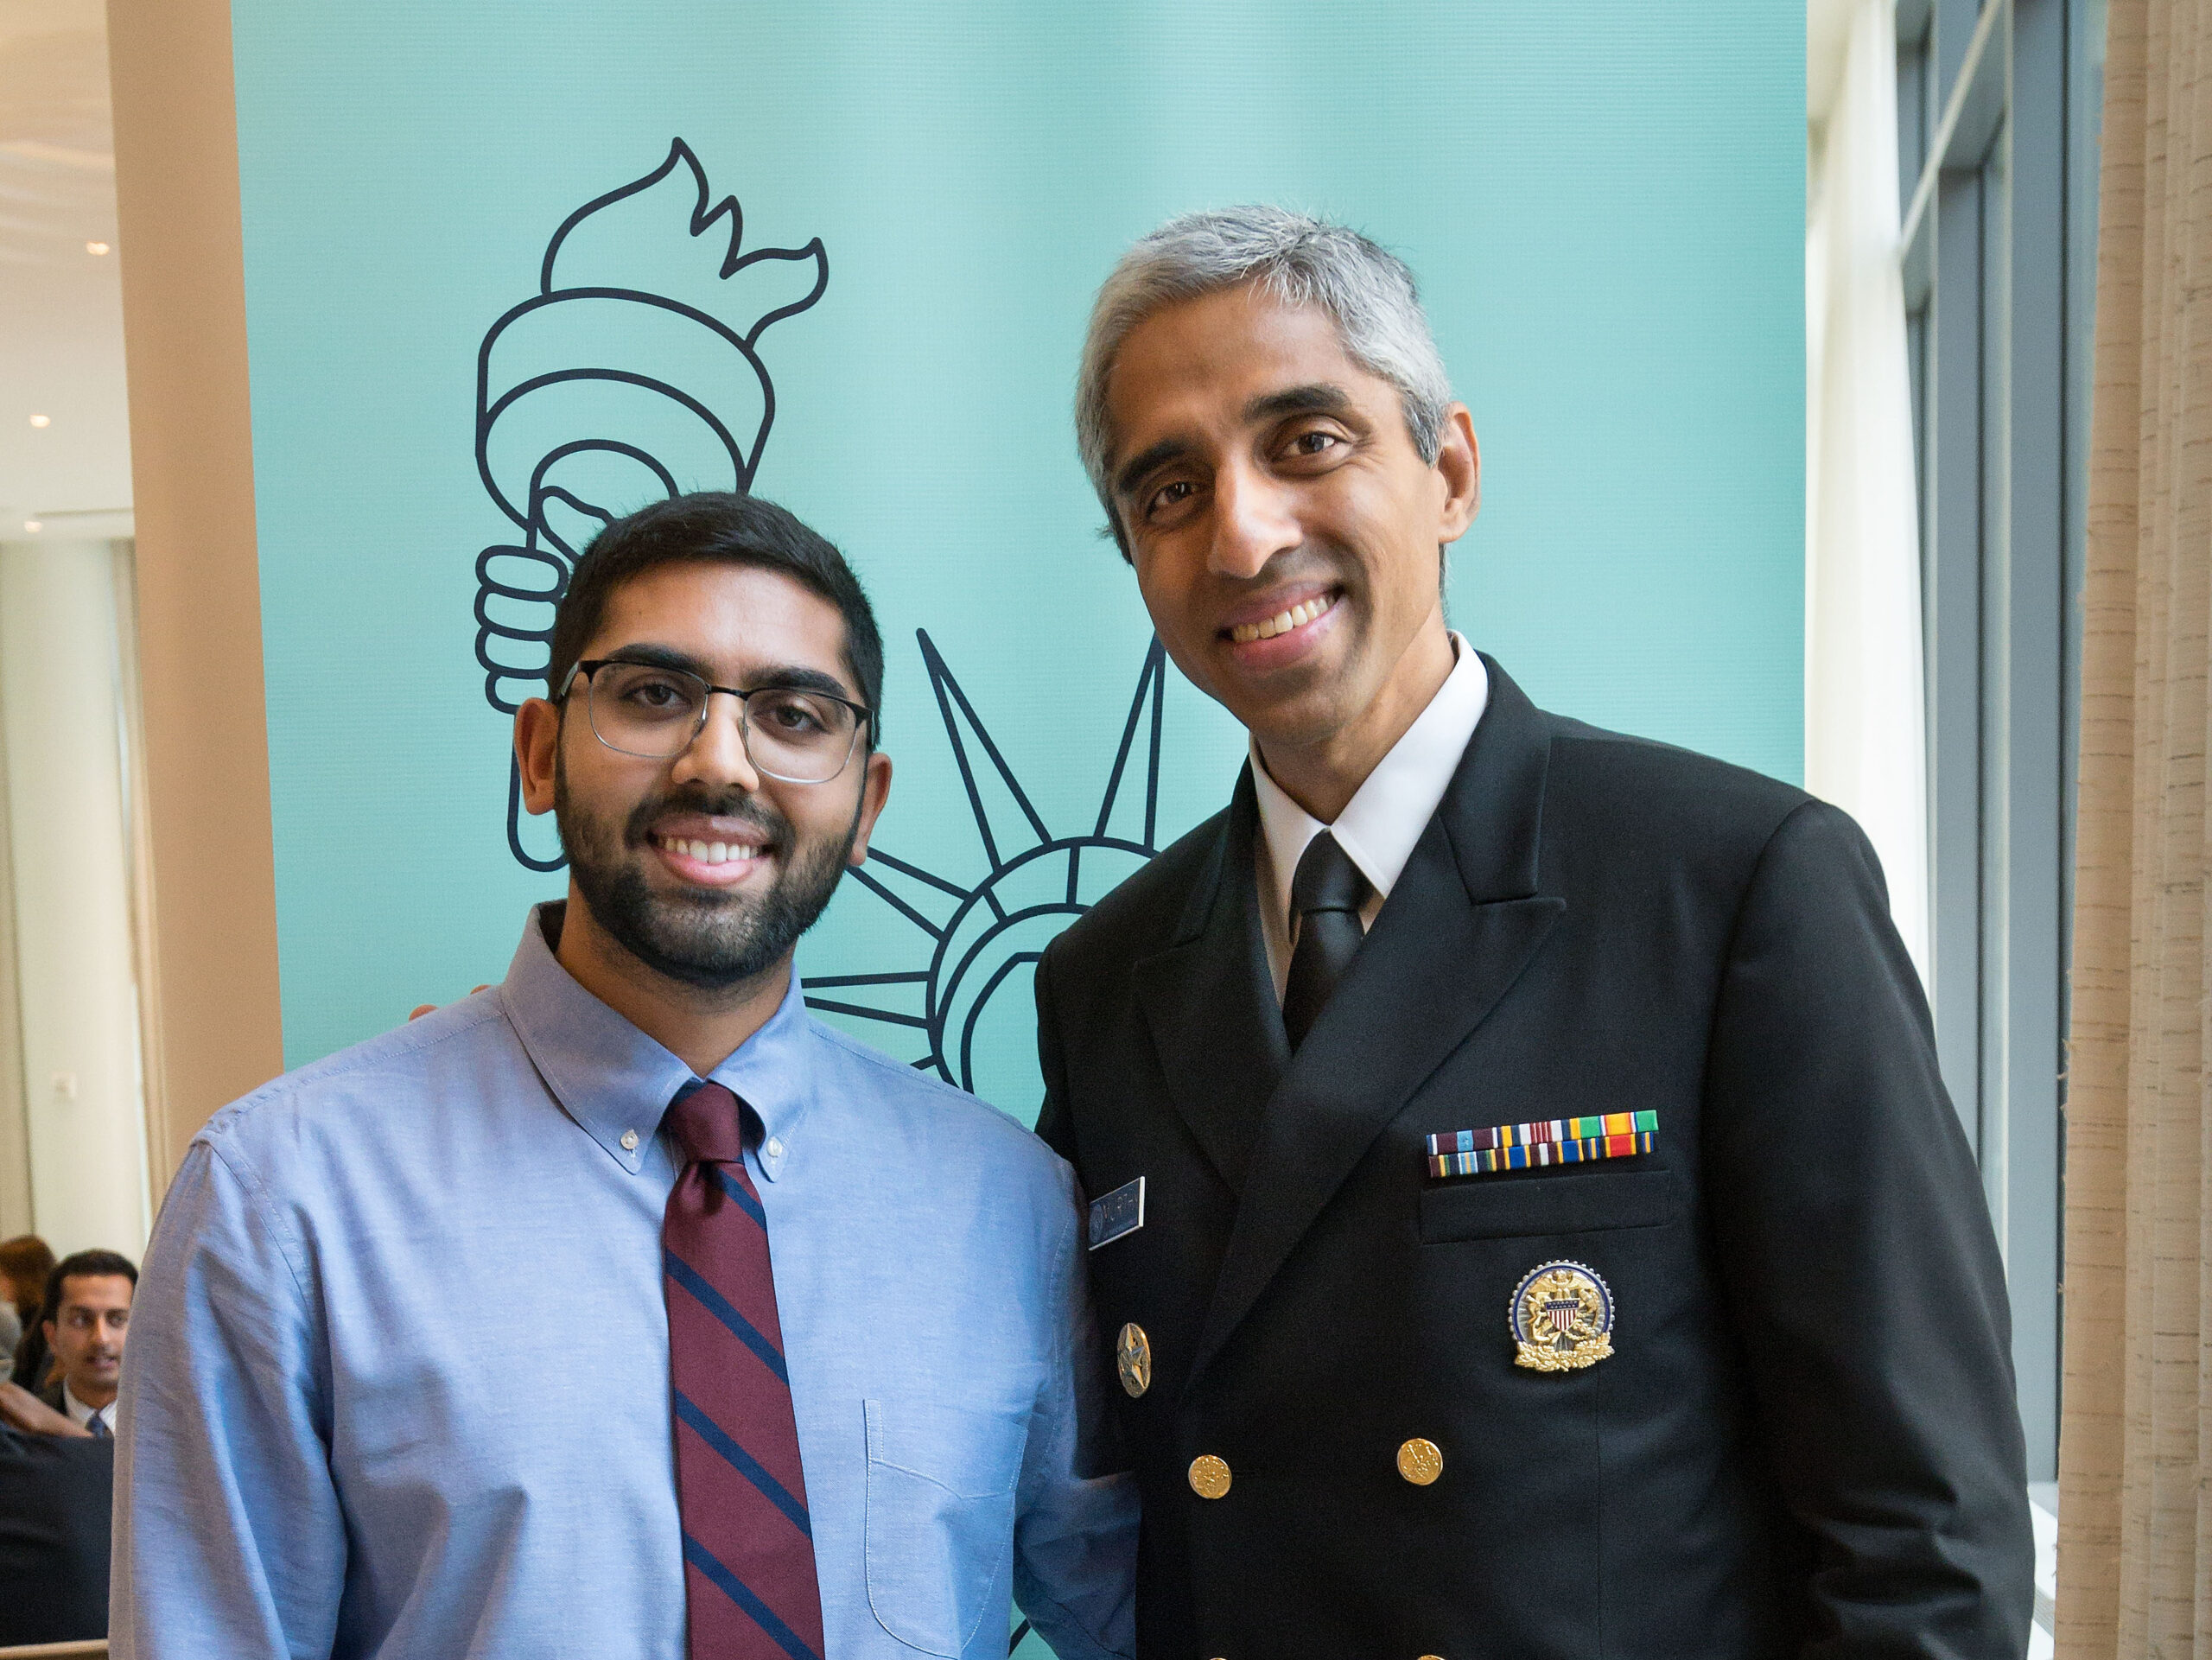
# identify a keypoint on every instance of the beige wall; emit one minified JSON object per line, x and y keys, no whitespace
{"x":68,"y":835}
{"x":15,"y":1126}
{"x":215,"y":1025}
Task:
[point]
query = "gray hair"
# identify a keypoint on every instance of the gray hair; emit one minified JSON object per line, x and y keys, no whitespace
{"x":1296,"y":260}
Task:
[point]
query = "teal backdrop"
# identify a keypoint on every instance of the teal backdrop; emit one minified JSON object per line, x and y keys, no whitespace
{"x":1604,"y":202}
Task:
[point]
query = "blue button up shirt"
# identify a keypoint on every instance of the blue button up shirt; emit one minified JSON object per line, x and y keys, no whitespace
{"x":397,"y":1382}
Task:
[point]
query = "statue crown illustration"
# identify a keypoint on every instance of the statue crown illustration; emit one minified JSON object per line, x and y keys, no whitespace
{"x":599,"y":393}
{"x":982,"y":939}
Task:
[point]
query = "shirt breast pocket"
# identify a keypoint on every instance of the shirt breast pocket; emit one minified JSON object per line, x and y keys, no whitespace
{"x":1484,"y":1207}
{"x":940,"y":1518}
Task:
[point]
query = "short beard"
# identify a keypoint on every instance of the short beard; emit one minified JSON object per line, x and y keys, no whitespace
{"x":709,"y":938}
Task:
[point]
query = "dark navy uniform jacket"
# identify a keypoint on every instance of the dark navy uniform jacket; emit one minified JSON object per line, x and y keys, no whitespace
{"x":54,"y":1501}
{"x":1805,"y":1441}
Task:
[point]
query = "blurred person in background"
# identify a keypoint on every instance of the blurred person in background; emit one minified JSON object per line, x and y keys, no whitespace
{"x":26,"y":1264}
{"x":86,"y":1320}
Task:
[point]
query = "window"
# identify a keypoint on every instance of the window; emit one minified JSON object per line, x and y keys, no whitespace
{"x":1997,"y":113}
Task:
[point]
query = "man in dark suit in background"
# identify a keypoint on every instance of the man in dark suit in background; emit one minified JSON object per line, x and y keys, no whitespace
{"x":86,"y":1321}
{"x":1524,"y":1205}
{"x":55,"y":1479}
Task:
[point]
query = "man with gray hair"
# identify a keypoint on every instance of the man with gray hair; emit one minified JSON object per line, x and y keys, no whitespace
{"x":1523,"y":1203}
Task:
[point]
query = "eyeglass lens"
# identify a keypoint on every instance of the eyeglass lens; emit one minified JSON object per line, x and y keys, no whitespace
{"x":797,"y":736}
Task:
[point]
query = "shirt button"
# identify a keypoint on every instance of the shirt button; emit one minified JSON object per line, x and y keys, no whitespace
{"x":629,"y":1141}
{"x":775,"y":1148}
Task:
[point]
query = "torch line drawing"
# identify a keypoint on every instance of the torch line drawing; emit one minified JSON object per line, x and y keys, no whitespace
{"x":594,"y":396}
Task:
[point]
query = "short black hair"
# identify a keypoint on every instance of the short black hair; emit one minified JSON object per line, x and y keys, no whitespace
{"x":82,"y":1265}
{"x":716,"y":527}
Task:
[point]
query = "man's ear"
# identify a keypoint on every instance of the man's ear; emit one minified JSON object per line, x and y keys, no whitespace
{"x":537,"y":748}
{"x":875,"y":790}
{"x":1459,"y":462}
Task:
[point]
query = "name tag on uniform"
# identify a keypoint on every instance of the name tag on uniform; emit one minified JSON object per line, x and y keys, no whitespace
{"x":1546,"y":1141}
{"x":1119,"y":1212}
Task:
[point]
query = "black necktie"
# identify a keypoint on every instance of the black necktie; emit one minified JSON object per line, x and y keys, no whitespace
{"x":1324,"y":898}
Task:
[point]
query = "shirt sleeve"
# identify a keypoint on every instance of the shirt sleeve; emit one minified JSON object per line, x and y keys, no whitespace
{"x":228,"y":1535}
{"x":1075,"y":1530}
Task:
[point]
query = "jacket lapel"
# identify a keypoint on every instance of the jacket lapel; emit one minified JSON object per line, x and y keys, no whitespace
{"x":1460,"y":924}
{"x":1210,"y":1000}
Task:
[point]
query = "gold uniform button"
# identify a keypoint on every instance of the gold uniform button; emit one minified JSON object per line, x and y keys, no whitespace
{"x":1421,"y":1463}
{"x":1208,"y":1476}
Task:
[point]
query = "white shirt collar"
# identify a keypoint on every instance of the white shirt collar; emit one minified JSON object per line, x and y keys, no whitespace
{"x":80,"y":1414}
{"x":1385,"y":817}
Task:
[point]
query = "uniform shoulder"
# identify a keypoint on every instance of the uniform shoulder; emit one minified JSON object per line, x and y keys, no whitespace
{"x":1147,"y":906}
{"x":1670,"y":791}
{"x":326,"y":1095}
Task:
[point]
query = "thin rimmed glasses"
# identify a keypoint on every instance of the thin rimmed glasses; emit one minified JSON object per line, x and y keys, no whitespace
{"x":792,"y":733}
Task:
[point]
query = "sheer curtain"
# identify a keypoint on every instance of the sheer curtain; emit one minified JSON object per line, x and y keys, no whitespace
{"x":2135,"y":1511}
{"x":1866,"y":742}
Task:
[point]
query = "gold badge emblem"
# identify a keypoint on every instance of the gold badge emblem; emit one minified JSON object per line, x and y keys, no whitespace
{"x":1208,"y":1476}
{"x":1420,"y":1461}
{"x":1562,"y":1318}
{"x":1133,"y":1359}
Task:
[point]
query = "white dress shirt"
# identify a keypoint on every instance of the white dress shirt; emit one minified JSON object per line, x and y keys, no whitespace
{"x":1386,"y":815}
{"x":82,"y":1416}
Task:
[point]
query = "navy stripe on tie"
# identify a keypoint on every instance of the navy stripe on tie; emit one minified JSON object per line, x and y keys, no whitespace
{"x":736,"y":1190}
{"x":743,"y":1462}
{"x":733,"y":1587}
{"x":719,"y":1305}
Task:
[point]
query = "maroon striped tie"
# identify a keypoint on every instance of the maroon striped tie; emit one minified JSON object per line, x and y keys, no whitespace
{"x":748,"y":1550}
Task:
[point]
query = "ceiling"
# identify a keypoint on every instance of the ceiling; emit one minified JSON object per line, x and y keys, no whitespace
{"x":61,"y":305}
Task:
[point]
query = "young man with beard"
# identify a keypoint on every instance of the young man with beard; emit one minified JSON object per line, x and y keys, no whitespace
{"x":834,"y":1395}
{"x":1554,"y":1239}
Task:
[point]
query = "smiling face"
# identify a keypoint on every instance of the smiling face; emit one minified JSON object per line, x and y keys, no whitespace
{"x":1285,"y":530}
{"x":88,"y":1332}
{"x":702,"y":869}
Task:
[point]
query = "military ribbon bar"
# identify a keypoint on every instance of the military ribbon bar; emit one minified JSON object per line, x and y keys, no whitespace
{"x":1546,"y":1141}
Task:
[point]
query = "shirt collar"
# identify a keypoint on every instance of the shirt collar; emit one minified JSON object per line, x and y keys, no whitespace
{"x":615,"y":1081}
{"x":78,"y":1411}
{"x":1385,"y":817}
{"x":770,"y":1073}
